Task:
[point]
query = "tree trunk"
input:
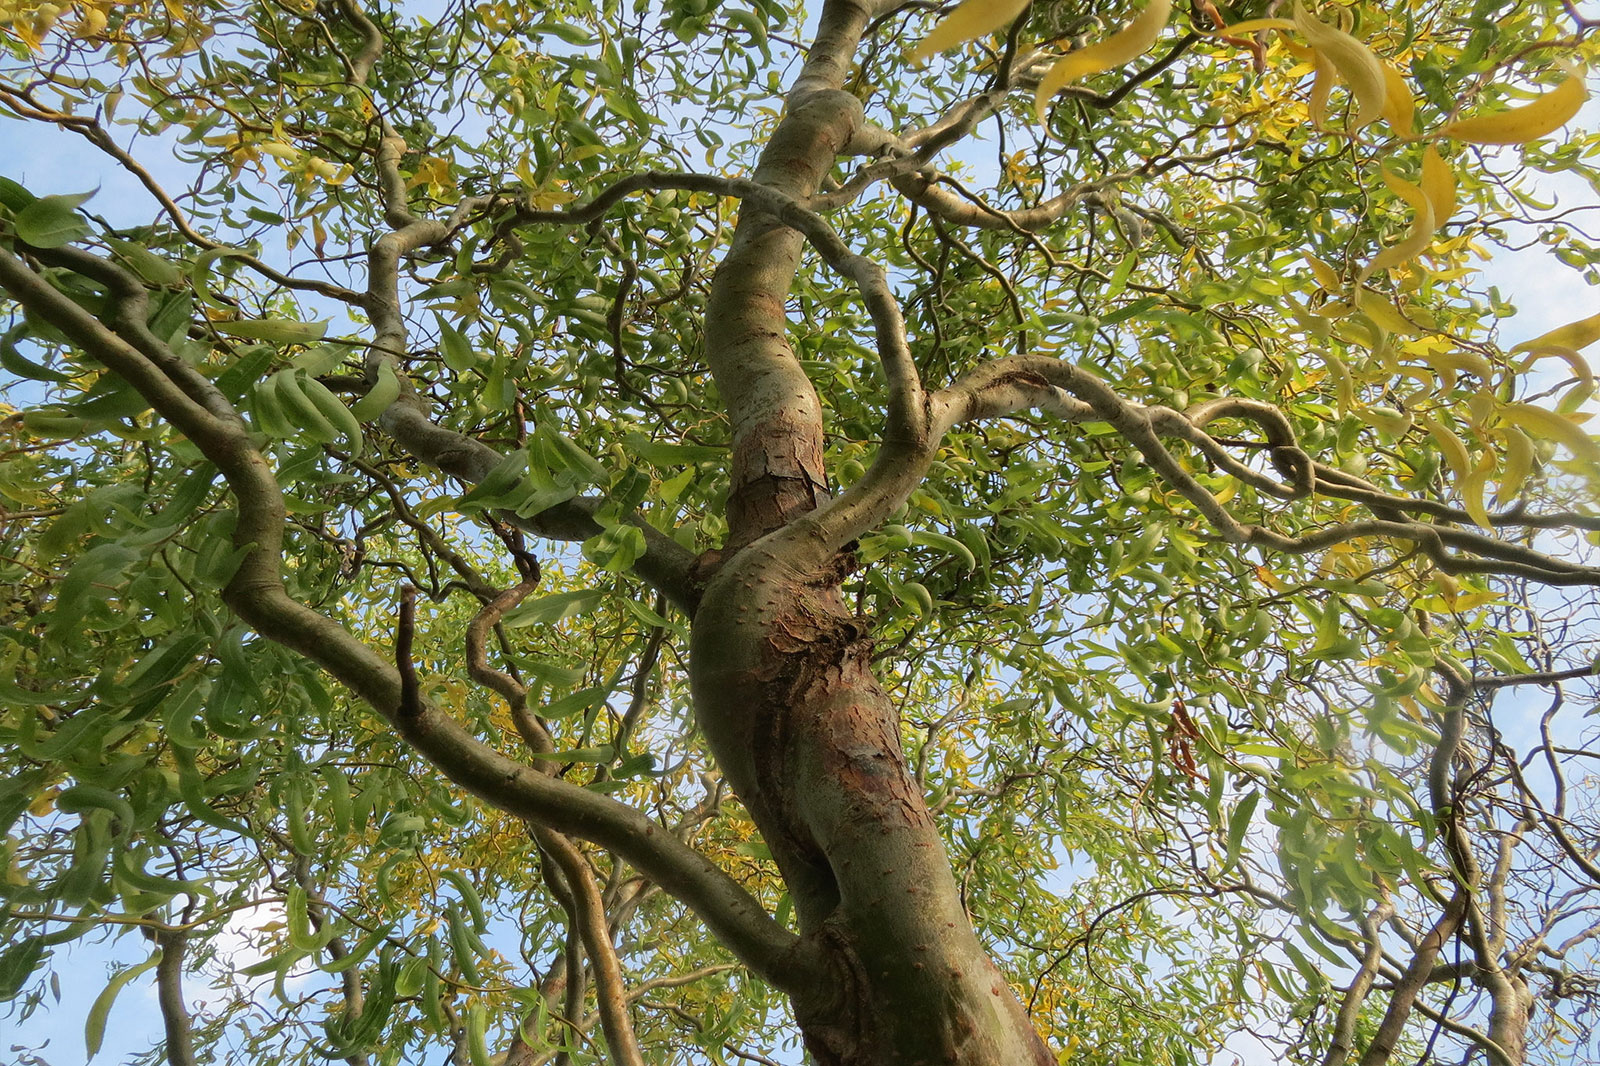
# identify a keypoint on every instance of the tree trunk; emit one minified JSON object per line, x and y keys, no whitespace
{"x":810,"y":742}
{"x":781,"y":672}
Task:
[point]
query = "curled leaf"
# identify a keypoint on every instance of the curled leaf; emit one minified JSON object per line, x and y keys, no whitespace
{"x":1447,"y":364}
{"x":1519,"y":125}
{"x":1474,"y":487}
{"x":1547,"y":425}
{"x":1422,"y":227}
{"x":1399,"y":106}
{"x":1518,"y":464}
{"x":971,"y":20}
{"x":1572,"y":336}
{"x":1438,"y":185}
{"x":1239,"y":29}
{"x":1354,"y":61}
{"x":1386,"y":420}
{"x":1576,"y":363}
{"x":1451,"y":447}
{"x":1127,"y":44}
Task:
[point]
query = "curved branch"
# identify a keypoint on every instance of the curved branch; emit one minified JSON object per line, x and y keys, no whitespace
{"x":992,"y":389}
{"x":1344,"y":1026}
{"x":1412,"y":981}
{"x":257,"y":594}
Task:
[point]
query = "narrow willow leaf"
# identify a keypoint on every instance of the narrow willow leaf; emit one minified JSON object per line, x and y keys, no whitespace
{"x":1239,"y":29}
{"x":553,"y":608}
{"x":1238,"y":826}
{"x":1572,"y":336}
{"x":1345,"y":388}
{"x":1519,"y":125}
{"x":1518,"y":464}
{"x":385,"y":391}
{"x":1326,"y":276}
{"x":1547,"y":425}
{"x":1422,"y":228}
{"x":273,"y":330}
{"x":1399,"y":106}
{"x":1474,"y":488}
{"x":1322,"y":84}
{"x":1129,"y":43}
{"x":1438,"y":185}
{"x":1385,"y":419}
{"x":94,"y":1027}
{"x":1354,"y":61}
{"x":1571,"y":356}
{"x":1384,"y":314}
{"x":973,"y":19}
{"x":1450,"y":446}
{"x":1447,"y":364}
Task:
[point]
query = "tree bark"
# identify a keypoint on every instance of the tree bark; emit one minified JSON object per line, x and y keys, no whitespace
{"x":810,"y":741}
{"x":781,"y":671}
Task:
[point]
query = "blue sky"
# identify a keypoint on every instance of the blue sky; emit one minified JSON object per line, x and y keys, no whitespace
{"x":1546,"y":292}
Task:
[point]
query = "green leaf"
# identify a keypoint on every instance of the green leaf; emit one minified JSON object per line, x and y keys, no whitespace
{"x":454,"y":346}
{"x":94,"y":1028}
{"x":52,"y":221}
{"x":553,"y":608}
{"x":273,"y":330}
{"x":1238,"y":826}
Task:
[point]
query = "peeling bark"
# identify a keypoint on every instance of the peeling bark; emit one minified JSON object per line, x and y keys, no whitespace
{"x":810,"y":741}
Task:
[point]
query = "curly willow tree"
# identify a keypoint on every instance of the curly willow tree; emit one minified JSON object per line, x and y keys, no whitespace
{"x":898,"y":533}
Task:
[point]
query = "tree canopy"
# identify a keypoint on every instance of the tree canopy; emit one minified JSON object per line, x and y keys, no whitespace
{"x":731,"y":531}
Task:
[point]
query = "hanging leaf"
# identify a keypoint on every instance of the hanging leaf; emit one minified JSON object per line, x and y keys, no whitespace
{"x":1547,"y":425}
{"x":1354,"y":61}
{"x":1399,"y":106}
{"x":1519,"y":125}
{"x":1518,"y":463}
{"x":973,"y":19}
{"x":1572,"y":336}
{"x":94,"y":1029}
{"x":1474,"y":487}
{"x":1131,"y":42}
{"x":1420,"y":236}
{"x":1438,"y":185}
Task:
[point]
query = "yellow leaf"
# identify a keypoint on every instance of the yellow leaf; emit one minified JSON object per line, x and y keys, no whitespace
{"x":1399,"y":106}
{"x":1547,"y":425}
{"x":1473,"y":488}
{"x":1385,"y":420}
{"x":1239,"y":29}
{"x":1447,"y":364}
{"x":1384,"y":314}
{"x":1326,"y":276}
{"x":1354,"y":61}
{"x":1341,"y":378}
{"x":1519,"y":125}
{"x":1580,"y":370}
{"x":1572,"y":336}
{"x":286,"y":152}
{"x":1132,"y":41}
{"x":1439,"y":185}
{"x":1451,"y":447}
{"x":1321,"y":88}
{"x":971,"y":20}
{"x":1518,"y":464}
{"x":1422,"y":227}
